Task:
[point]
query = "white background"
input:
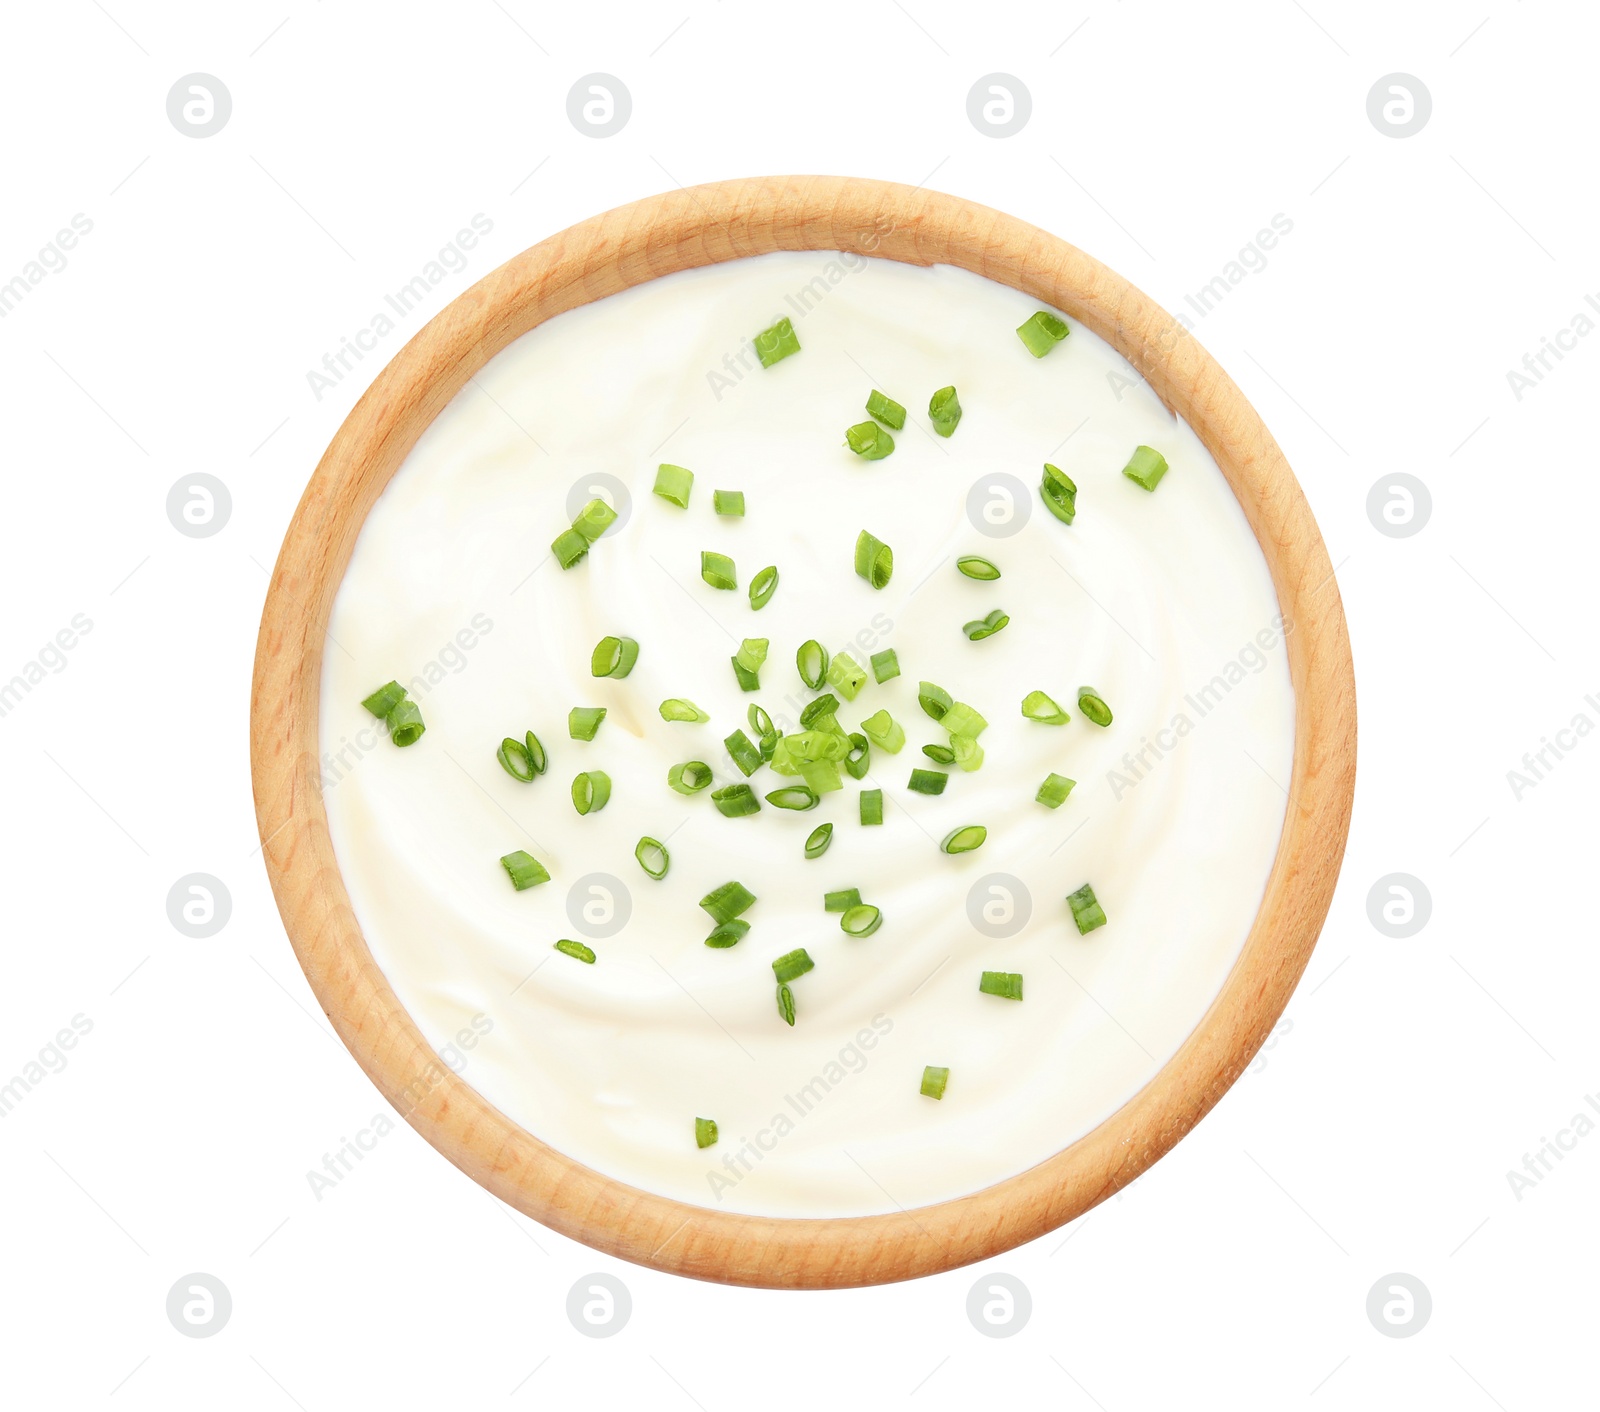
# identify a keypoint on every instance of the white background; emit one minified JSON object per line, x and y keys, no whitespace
{"x":1374,"y":1136}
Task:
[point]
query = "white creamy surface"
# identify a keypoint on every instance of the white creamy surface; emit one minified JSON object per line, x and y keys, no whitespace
{"x":1149,"y":597}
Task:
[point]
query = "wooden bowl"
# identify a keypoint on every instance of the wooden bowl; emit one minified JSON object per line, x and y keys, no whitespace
{"x":625,"y":247}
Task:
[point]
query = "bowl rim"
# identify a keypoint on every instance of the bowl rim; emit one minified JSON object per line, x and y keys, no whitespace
{"x":661,"y":235}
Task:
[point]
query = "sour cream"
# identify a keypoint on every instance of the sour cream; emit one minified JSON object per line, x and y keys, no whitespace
{"x":1160,"y":600}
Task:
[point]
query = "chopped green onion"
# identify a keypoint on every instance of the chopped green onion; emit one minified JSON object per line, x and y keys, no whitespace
{"x":818,"y":709}
{"x":986,"y":626}
{"x":872,"y":806}
{"x":734,"y":801}
{"x":748,"y":681}
{"x":1059,"y":493}
{"x":933,"y":1081}
{"x":874,"y":560}
{"x":594,"y":519}
{"x":961,"y":719}
{"x":775,"y":343}
{"x":732,"y":899}
{"x":847,"y":674}
{"x":521,"y":761}
{"x":613,"y":657}
{"x":728,"y":502}
{"x":786,"y":1004}
{"x":841,"y":901}
{"x":689,"y":778}
{"x":1037,"y":706}
{"x":1093,"y":705}
{"x":705,"y":1132}
{"x":859,"y":760}
{"x":744,"y":753}
{"x":674,"y":483}
{"x":822,"y":776}
{"x":590,"y":791}
{"x":653,"y":857}
{"x":885,"y":732}
{"x":726,"y":934}
{"x":869,"y":441}
{"x":1054,"y":791}
{"x":676,"y":708}
{"x":885,"y":665}
{"x":968,"y":753}
{"x":935,"y":700}
{"x":1006,"y":984}
{"x":760,"y":721}
{"x":799,"y":797}
{"x":792,"y":964}
{"x":944,"y":410}
{"x":569,"y":546}
{"x":577,"y":950}
{"x":1042,"y":331}
{"x":976,"y":567}
{"x":524,"y":870}
{"x":940,"y":754}
{"x":717,"y":570}
{"x":385,"y":699}
{"x":861,"y":920}
{"x":1145,"y":467}
{"x":818,"y":839}
{"x":965,"y":839}
{"x":584,"y":721}
{"x":752,"y":653}
{"x":763,"y":586}
{"x":928,"y":781}
{"x":811,"y":661}
{"x":1086,"y":910}
{"x":405,"y":723}
{"x":886,"y":410}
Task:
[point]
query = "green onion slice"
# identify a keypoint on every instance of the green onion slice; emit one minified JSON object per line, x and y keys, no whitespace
{"x":872,"y":806}
{"x":728,"y":502}
{"x":1040,"y":707}
{"x":1093,"y":705}
{"x":689,"y":778}
{"x":792,"y":964}
{"x":1059,"y":493}
{"x":961,"y":719}
{"x":613,"y":657}
{"x":744,"y":753}
{"x":885,"y":732}
{"x":964,"y":839}
{"x":705,"y":1132}
{"x":726,"y":934}
{"x":584,"y":721}
{"x":861,"y":920}
{"x":847,"y":674}
{"x":653,"y":857}
{"x":944,"y":410}
{"x":752,"y":653}
{"x":859,"y":760}
{"x":928,"y":781}
{"x":786,"y":1004}
{"x":976,"y":567}
{"x":590,"y":791}
{"x":776,"y":343}
{"x":594,"y":519}
{"x":885,"y":665}
{"x":818,"y":839}
{"x":935,"y":700}
{"x":968,"y":753}
{"x":933,"y":1081}
{"x":717,"y":570}
{"x":1006,"y":984}
{"x":817,"y":709}
{"x":516,"y":759}
{"x":385,"y":699}
{"x":1042,"y":331}
{"x":1146,"y":467}
{"x":1054,"y":791}
{"x":1086,"y":910}
{"x":677,"y":708}
{"x":524,"y":870}
{"x":841,"y":901}
{"x":735,"y":800}
{"x":799,"y":797}
{"x":674,"y":483}
{"x":732,"y":899}
{"x":940,"y":754}
{"x":748,"y":680}
{"x":569,"y":546}
{"x":869,"y":441}
{"x":405,"y":723}
{"x":811,"y":661}
{"x":886,"y":410}
{"x":763,"y":586}
{"x":760,"y":721}
{"x":986,"y":626}
{"x":874,"y":560}
{"x":577,"y":950}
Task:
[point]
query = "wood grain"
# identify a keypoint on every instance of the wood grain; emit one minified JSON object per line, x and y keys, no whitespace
{"x":625,"y":247}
